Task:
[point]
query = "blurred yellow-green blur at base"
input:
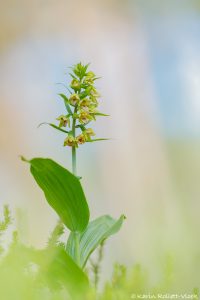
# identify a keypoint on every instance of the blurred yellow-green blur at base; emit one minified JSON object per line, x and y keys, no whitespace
{"x":147,"y":54}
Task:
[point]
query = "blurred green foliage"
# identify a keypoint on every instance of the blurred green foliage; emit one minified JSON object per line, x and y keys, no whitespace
{"x":28,"y":273}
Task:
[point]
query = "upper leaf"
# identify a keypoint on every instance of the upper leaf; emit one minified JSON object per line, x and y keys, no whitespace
{"x":54,"y":126}
{"x":63,"y":192}
{"x":96,"y":232}
{"x":66,"y":101}
{"x":96,"y":140}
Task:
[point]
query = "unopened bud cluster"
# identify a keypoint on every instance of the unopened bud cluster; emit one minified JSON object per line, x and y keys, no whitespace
{"x":81,"y":106}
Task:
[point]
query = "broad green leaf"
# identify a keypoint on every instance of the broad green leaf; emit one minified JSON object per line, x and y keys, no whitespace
{"x":66,"y":101}
{"x":61,"y":269}
{"x":54,"y":126}
{"x":63,"y":192}
{"x":95,"y":233}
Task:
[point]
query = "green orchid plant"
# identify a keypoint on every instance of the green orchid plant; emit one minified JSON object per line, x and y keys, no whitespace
{"x":62,"y":188}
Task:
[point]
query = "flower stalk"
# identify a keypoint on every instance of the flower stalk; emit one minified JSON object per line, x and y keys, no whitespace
{"x":74,"y":171}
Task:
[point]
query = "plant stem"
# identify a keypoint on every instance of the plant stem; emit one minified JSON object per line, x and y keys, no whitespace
{"x":74,"y":147}
{"x":74,"y":160}
{"x":77,"y":244}
{"x":77,"y":248}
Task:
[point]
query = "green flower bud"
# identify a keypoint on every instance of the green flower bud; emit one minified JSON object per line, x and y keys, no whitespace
{"x":88,"y":133}
{"x":64,"y":121}
{"x":94,"y":93}
{"x":90,"y":74}
{"x":94,"y":100}
{"x":81,"y":139}
{"x":80,"y":70}
{"x":88,"y":81}
{"x":92,"y":109}
{"x":74,"y":99}
{"x":70,"y":141}
{"x":75,"y":85}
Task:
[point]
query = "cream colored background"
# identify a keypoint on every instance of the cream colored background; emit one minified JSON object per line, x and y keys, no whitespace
{"x":132,"y":173}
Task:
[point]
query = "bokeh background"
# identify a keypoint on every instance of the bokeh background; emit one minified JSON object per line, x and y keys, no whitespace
{"x":148,"y":54}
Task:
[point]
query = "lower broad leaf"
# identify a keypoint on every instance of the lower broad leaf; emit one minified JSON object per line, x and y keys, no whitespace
{"x":96,"y":232}
{"x":60,"y":267}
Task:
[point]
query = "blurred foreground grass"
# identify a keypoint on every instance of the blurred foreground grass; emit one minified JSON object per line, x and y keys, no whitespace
{"x":27,"y":274}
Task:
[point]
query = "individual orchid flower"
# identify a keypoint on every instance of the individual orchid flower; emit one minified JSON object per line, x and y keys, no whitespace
{"x":74,"y":99}
{"x":70,"y":141}
{"x":81,"y":139}
{"x":64,"y":121}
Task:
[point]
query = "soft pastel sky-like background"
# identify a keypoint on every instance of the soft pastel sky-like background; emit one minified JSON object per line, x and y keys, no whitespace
{"x":148,"y":54}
